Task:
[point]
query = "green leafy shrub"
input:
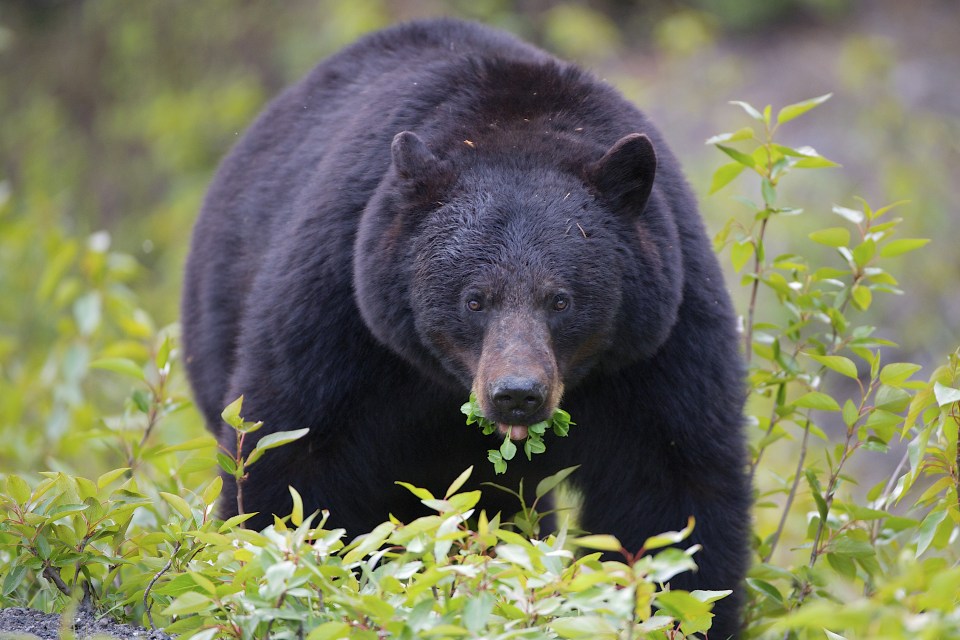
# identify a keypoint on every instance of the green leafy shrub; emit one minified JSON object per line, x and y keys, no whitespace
{"x":835,"y":558}
{"x":140,"y":541}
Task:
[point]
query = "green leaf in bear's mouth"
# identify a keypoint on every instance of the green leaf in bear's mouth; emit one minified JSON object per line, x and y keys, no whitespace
{"x":559,"y":422}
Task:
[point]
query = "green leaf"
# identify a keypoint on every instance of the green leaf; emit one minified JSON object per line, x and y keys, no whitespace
{"x":18,"y":489}
{"x":848,"y":546}
{"x":598,"y":542}
{"x":110,"y":476}
{"x":13,"y":579}
{"x":477,"y":611}
{"x":740,"y":254}
{"x":928,"y":529}
{"x":797,"y":109}
{"x":227,"y":463}
{"x":585,"y":626}
{"x":725,"y":175}
{"x":163,"y":354}
{"x":817,"y":400}
{"x":741,"y":157}
{"x":421,"y":493}
{"x":212,"y":490}
{"x":296,"y":513}
{"x":190,"y":602}
{"x":945,"y":395}
{"x":862,"y":297}
{"x":178,"y":503}
{"x":279,"y":438}
{"x":499,"y":465}
{"x":769,"y":193}
{"x":898,"y":247}
{"x":839,"y":364}
{"x":669,"y":537}
{"x":330,"y":631}
{"x":231,"y":413}
{"x":744,"y":133}
{"x":815,"y":162}
{"x":850,"y":413}
{"x":458,"y":482}
{"x":123,"y":366}
{"x":549,"y":483}
{"x":766,"y":588}
{"x":749,"y":108}
{"x":854,"y":216}
{"x":533,"y":445}
{"x":864,"y":252}
{"x":508,"y":449}
{"x":368,"y":543}
{"x":844,"y":565}
{"x":897,"y":373}
{"x":832,"y":237}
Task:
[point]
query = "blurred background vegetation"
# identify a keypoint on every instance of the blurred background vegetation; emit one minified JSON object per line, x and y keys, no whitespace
{"x":114,"y":114}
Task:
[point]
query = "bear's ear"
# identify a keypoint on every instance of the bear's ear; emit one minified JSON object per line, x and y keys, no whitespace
{"x":624,"y":175}
{"x":411,"y":156}
{"x":425,"y":177}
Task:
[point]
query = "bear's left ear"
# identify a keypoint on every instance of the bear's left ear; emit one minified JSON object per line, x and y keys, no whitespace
{"x":624,"y":175}
{"x":425,"y":175}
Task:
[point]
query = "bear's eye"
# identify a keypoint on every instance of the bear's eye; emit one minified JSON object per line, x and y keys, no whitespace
{"x":474,"y":305}
{"x":560,"y":302}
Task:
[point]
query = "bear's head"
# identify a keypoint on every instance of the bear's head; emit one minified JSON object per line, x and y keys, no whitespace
{"x":518,"y":278}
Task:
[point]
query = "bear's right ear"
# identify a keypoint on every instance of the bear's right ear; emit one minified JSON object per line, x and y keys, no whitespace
{"x":624,"y":175}
{"x":426,"y":176}
{"x":411,"y":156}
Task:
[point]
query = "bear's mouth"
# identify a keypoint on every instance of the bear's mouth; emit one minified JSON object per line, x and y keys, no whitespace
{"x":513,"y":431}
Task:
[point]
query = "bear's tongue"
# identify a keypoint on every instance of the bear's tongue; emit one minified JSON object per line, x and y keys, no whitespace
{"x":515,"y":432}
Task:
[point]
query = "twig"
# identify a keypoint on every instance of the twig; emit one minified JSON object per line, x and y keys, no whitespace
{"x":54,"y":576}
{"x":146,"y":593}
{"x":792,"y":494}
{"x":748,"y":331}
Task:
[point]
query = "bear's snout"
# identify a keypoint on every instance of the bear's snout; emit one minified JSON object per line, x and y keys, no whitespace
{"x":517,"y":381}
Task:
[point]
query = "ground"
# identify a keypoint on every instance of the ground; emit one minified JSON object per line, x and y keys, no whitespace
{"x":20,"y":623}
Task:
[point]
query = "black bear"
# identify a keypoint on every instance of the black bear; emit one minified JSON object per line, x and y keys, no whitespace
{"x":442,"y":208}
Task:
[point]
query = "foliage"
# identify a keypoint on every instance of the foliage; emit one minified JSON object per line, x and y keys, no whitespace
{"x":880,"y":565}
{"x":559,"y":423}
{"x":106,"y":485}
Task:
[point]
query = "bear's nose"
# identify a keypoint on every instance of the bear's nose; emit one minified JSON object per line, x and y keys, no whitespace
{"x":517,"y":399}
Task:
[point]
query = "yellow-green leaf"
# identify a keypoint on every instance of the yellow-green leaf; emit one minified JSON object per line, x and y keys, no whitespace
{"x":797,"y":109}
{"x":122,"y":366}
{"x":832,"y":237}
{"x":178,"y":503}
{"x":296,"y":514}
{"x":839,"y":364}
{"x":231,"y":413}
{"x":212,"y":490}
{"x":744,"y":133}
{"x":456,"y":484}
{"x":725,"y":175}
{"x":740,"y":254}
{"x":599,"y":542}
{"x":862,"y":297}
{"x":898,"y":247}
{"x":817,"y":400}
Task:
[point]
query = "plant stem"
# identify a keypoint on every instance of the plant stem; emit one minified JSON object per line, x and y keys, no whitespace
{"x":53,"y":575}
{"x":751,"y":310}
{"x":148,"y":605}
{"x":793,"y":492}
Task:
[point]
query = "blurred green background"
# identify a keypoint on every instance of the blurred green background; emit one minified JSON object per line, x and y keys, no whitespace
{"x":114,"y":114}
